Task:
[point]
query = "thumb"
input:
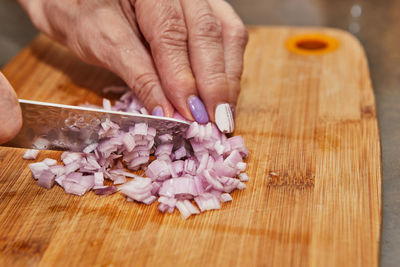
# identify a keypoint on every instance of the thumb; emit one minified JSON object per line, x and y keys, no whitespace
{"x":10,"y":112}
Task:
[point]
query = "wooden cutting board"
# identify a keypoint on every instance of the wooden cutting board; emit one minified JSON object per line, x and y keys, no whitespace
{"x":307,"y":114}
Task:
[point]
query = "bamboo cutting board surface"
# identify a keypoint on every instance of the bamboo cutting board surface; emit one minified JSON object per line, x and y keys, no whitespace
{"x":314,"y":195}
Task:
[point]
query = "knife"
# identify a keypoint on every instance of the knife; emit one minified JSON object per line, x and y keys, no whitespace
{"x":48,"y":126}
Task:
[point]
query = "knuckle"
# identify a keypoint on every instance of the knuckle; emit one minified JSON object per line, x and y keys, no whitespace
{"x":235,"y":77}
{"x":144,"y":86}
{"x":171,"y":35}
{"x":235,"y":71}
{"x":207,"y":25}
{"x":215,"y":80}
{"x":238,"y":33}
{"x":171,"y":30}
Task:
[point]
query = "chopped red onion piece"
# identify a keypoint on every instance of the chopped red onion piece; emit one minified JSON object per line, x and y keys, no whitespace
{"x":98,"y":179}
{"x":199,"y":185}
{"x":243,"y":177}
{"x":149,"y":200}
{"x":231,"y":184}
{"x":190,"y":167}
{"x":191,"y":207}
{"x":164,"y":157}
{"x":241,"y":186}
{"x":118,"y":179}
{"x":90,"y":148}
{"x":158,"y":170}
{"x":212,"y":181}
{"x":156,"y":186}
{"x":92,"y":162}
{"x":210,"y":163}
{"x":169,"y":201}
{"x":233,"y":159}
{"x":71,"y":167}
{"x":140,"y":129}
{"x":37,"y":168}
{"x":178,"y":166}
{"x":78,"y":184}
{"x":69,"y":157}
{"x":58,"y":170}
{"x":178,"y":186}
{"x":60,"y":179}
{"x":138,"y":162}
{"x":207,"y":201}
{"x":241,"y":166}
{"x":185,"y":212}
{"x":50,"y":162}
{"x":165,"y":138}
{"x":221,"y":169}
{"x":46,"y":179}
{"x":151,"y":132}
{"x":138,"y":189}
{"x":171,"y":210}
{"x":164,"y":149}
{"x":186,"y":208}
{"x":215,"y":133}
{"x":31,"y":154}
{"x":74,"y":177}
{"x":197,"y":146}
{"x":171,"y":169}
{"x":202,"y":132}
{"x":219,"y":148}
{"x":108,"y":129}
{"x":162,"y":207}
{"x":128,"y":142}
{"x":236,"y":142}
{"x":203,"y":163}
{"x":180,"y":153}
{"x":193,"y":130}
{"x":106,"y":190}
{"x":208,"y":131}
{"x":74,"y":188}
{"x":225,"y":197}
{"x":88,"y":181}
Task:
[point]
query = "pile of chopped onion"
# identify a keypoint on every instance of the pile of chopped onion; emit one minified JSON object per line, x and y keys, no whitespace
{"x":205,"y":169}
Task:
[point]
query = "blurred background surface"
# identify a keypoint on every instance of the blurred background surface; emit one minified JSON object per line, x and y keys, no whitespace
{"x":375,"y":23}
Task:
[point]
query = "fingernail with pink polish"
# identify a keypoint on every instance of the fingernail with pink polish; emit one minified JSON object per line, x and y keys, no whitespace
{"x":198,"y":109}
{"x":158,"y":111}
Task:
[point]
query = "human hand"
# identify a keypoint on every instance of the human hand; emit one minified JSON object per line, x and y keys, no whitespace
{"x":10,"y":112}
{"x":171,"y":53}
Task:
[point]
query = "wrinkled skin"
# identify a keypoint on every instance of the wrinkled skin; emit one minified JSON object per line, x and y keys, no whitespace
{"x":165,"y":50}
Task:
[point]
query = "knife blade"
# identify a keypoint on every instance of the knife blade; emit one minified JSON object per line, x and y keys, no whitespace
{"x":48,"y":126}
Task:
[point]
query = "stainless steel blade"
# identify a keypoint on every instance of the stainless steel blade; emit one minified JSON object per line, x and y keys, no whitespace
{"x":62,"y":127}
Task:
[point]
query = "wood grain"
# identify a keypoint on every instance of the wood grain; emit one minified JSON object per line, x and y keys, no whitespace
{"x":314,"y":195}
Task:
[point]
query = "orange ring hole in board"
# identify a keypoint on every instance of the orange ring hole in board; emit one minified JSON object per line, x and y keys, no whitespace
{"x":312,"y":44}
